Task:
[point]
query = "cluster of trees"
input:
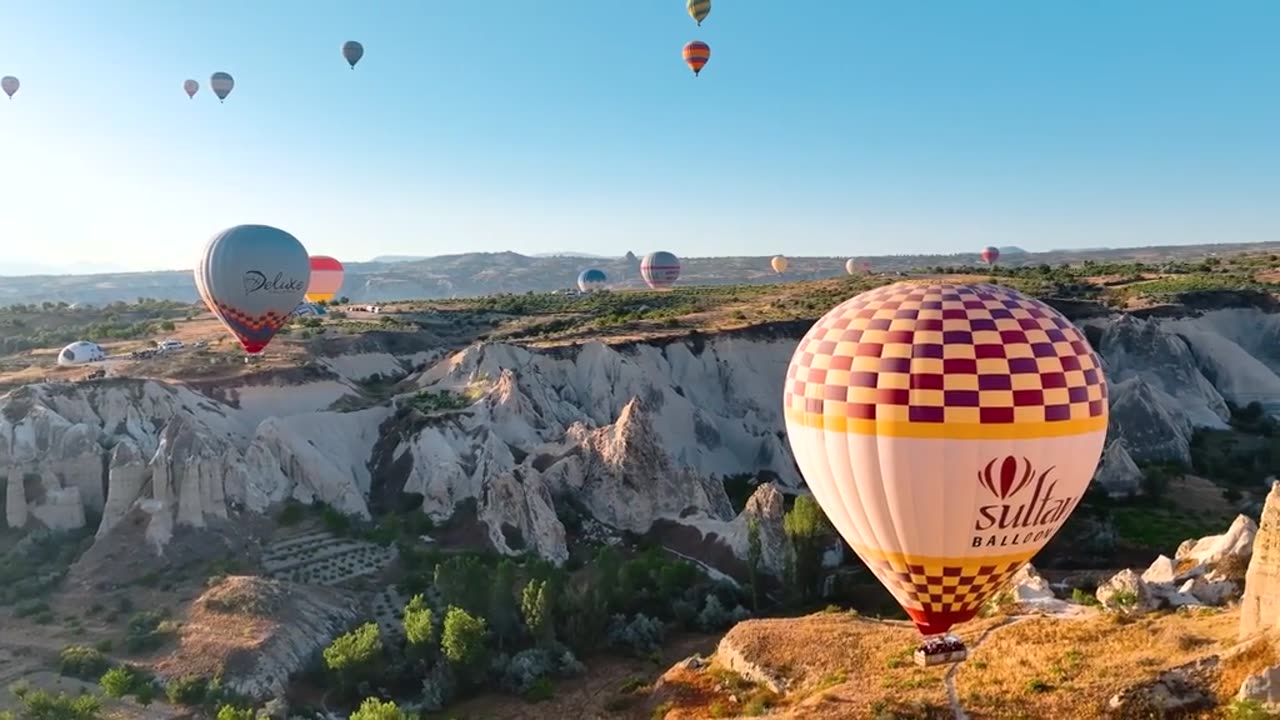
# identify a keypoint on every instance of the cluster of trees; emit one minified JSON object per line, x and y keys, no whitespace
{"x":26,"y":327}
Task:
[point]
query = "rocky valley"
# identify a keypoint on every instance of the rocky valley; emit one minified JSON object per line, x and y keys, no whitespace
{"x":264,"y":512}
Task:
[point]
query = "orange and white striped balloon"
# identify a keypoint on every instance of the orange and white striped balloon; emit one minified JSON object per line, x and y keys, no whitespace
{"x":326,"y":278}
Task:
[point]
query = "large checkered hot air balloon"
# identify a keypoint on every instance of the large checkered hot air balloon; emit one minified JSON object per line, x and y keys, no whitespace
{"x":252,"y":277}
{"x":947,"y":431}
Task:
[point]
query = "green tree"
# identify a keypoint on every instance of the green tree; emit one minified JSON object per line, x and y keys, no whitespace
{"x":807,"y":533}
{"x":464,"y":582}
{"x":419,"y":625}
{"x":231,"y":712}
{"x":118,"y":681}
{"x":502,"y":615}
{"x":755,"y":555}
{"x":463,"y":638}
{"x":43,"y":705}
{"x":375,"y":709}
{"x":535,"y":606}
{"x":355,"y":655}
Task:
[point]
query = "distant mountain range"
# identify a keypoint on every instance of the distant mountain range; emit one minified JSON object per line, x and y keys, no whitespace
{"x":472,"y":274}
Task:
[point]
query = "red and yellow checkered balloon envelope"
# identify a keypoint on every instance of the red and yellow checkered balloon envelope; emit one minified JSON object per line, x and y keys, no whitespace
{"x":252,"y":278}
{"x":947,"y":431}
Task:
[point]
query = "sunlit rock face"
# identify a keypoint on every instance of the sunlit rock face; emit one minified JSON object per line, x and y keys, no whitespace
{"x":634,"y":436}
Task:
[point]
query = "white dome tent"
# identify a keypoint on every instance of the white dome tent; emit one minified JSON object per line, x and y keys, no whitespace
{"x":81,"y":353}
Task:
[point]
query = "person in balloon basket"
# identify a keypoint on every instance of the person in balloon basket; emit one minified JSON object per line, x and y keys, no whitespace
{"x":941,"y":645}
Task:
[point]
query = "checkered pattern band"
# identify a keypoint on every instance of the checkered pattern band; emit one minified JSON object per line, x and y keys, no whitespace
{"x":946,"y":361}
{"x":940,"y":592}
{"x":254,"y":332}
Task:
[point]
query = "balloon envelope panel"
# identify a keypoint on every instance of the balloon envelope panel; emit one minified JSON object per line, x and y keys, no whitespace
{"x":326,"y":278}
{"x":947,"y":431}
{"x":589,"y":280}
{"x":660,"y":269}
{"x":252,"y":277}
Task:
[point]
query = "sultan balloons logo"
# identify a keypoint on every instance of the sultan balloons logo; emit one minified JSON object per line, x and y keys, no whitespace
{"x":947,"y":431}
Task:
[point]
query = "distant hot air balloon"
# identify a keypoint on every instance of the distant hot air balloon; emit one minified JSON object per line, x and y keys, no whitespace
{"x":696,"y":55}
{"x":947,"y":431}
{"x":853,"y":267}
{"x":699,"y":9}
{"x":191,"y":87}
{"x":252,"y":277}
{"x":779,"y":264}
{"x":222,"y":84}
{"x":591,"y":280}
{"x":326,"y":278}
{"x":990,"y":255}
{"x":352,"y":51}
{"x":10,"y":85}
{"x":660,"y":269}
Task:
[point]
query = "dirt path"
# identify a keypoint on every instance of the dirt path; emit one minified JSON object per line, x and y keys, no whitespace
{"x":950,"y":678}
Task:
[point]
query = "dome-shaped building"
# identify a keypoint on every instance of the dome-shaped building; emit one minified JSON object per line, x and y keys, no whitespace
{"x":81,"y":353}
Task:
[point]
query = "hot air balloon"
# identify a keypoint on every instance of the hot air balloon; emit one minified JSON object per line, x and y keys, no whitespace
{"x":191,"y":87}
{"x":326,"y":278}
{"x":779,"y":264}
{"x":222,"y":84}
{"x":990,"y":255}
{"x":660,"y":269}
{"x":696,"y":55}
{"x":853,"y":267}
{"x":947,"y":431}
{"x":591,"y":280}
{"x":10,"y":85}
{"x":352,"y":51}
{"x":699,"y":9}
{"x":252,"y":277}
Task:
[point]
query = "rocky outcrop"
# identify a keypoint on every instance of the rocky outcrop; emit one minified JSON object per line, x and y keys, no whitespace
{"x":1117,"y":473}
{"x":258,"y":633}
{"x":1260,"y":606}
{"x":1175,"y":692}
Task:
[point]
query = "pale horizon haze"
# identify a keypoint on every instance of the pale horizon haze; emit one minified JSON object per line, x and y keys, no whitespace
{"x":833,"y":129}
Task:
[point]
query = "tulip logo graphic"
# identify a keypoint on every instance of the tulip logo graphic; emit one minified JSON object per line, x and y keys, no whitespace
{"x":1008,"y":483}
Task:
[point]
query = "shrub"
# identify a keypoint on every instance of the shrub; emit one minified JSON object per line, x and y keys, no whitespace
{"x":187,"y":690}
{"x":355,"y":651}
{"x":118,"y":682}
{"x":713,"y":615}
{"x":82,"y":662}
{"x":638,"y":636}
{"x":375,"y":709}
{"x":231,"y":712}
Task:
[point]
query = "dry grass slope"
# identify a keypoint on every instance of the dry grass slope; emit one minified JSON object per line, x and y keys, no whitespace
{"x":837,"y":665}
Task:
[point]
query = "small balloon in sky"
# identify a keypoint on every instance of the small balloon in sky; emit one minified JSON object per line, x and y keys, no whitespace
{"x":699,"y":9}
{"x":10,"y":85}
{"x":191,"y":87}
{"x":352,"y":51}
{"x":696,"y":55}
{"x":222,"y":84}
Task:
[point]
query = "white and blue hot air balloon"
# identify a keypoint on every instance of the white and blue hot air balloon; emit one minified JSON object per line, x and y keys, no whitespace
{"x":591,"y":280}
{"x":252,"y":278}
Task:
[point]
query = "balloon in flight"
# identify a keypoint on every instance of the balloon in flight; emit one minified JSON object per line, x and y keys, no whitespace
{"x":853,"y":267}
{"x":191,"y":87}
{"x":352,"y":51}
{"x":699,"y":9}
{"x":990,"y":255}
{"x":10,"y":85}
{"x":326,"y":278}
{"x":252,"y":277}
{"x":591,"y":280}
{"x":779,"y":264}
{"x":221,"y":83}
{"x":660,"y":269}
{"x":696,"y":55}
{"x":947,"y":431}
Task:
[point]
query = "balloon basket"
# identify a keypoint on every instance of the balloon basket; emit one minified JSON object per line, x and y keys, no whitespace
{"x":941,"y":651}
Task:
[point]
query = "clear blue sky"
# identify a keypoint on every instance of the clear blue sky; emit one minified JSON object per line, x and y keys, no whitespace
{"x":832,"y":128}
